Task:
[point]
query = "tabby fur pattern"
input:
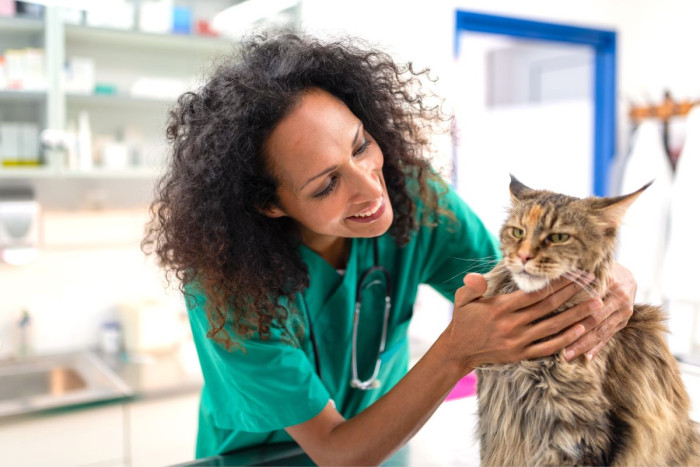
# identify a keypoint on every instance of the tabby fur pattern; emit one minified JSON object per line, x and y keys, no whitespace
{"x":626,"y":406}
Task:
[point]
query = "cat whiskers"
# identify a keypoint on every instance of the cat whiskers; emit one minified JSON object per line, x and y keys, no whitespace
{"x":485,"y":261}
{"x":477,"y":264}
{"x":576,"y":278}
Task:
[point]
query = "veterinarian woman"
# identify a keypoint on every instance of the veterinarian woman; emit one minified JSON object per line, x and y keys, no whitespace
{"x":299,"y":213}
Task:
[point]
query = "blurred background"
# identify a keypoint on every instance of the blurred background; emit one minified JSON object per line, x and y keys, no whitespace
{"x":96,"y":357}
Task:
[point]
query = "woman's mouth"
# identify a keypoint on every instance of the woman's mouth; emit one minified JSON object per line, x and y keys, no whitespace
{"x":372,"y":213}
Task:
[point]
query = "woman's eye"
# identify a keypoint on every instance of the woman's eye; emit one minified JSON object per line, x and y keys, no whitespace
{"x":518,"y":233}
{"x":362,"y":148}
{"x":329,"y":188}
{"x":558,"y":237}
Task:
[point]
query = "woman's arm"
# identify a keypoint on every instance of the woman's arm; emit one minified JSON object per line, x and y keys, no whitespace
{"x":483,"y":330}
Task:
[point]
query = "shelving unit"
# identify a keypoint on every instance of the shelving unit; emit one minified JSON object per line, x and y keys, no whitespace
{"x":119,"y":113}
{"x":8,"y":95}
{"x":117,"y":101}
{"x":120,"y":37}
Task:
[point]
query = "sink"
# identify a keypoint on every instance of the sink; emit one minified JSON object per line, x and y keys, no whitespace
{"x":35,"y":382}
{"x":38,"y":383}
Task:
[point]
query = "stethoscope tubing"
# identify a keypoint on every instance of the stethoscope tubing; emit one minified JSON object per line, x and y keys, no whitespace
{"x":356,"y":382}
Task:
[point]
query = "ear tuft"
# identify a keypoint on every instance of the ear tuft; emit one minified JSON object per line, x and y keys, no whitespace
{"x":517,"y":189}
{"x":614,"y":208}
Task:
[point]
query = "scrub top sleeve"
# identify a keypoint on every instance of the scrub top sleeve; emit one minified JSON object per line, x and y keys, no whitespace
{"x":267,"y":386}
{"x":454,"y":249}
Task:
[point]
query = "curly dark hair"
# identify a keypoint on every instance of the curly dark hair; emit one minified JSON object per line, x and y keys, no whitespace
{"x":206,"y":225}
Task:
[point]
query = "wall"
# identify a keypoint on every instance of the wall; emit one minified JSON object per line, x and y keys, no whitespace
{"x":654,"y":43}
{"x":654,"y":38}
{"x":90,"y":262}
{"x":523,"y":136}
{"x":79,"y":276}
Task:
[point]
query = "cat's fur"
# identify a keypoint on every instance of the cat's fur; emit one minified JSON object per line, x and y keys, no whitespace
{"x":627,"y":406}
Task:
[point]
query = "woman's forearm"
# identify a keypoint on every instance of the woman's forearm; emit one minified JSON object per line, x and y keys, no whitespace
{"x":381,"y":429}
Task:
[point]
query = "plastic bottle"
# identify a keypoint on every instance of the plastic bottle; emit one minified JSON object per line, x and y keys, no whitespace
{"x":25,"y":334}
{"x":84,"y":141}
{"x":110,"y":337}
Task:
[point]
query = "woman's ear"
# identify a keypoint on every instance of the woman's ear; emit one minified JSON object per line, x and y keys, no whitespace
{"x":273,"y":211}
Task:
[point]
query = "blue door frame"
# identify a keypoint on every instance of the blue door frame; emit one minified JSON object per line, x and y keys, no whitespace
{"x":604,"y":46}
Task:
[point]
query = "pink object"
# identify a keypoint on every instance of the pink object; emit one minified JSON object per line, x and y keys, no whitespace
{"x":7,"y":8}
{"x":464,"y":388}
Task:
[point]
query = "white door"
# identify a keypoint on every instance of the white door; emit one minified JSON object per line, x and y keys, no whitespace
{"x":525,"y":108}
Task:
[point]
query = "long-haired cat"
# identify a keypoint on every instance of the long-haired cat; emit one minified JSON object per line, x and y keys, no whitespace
{"x":626,"y":406}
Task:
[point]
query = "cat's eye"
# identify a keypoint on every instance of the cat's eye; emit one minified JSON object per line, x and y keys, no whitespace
{"x":558,"y":237}
{"x":518,"y":233}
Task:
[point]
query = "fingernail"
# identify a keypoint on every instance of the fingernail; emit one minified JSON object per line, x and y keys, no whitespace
{"x":589,"y":356}
{"x":596,"y":305}
{"x":568,"y":354}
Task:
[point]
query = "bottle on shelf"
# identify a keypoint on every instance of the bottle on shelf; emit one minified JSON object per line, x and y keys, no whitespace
{"x":84,"y":141}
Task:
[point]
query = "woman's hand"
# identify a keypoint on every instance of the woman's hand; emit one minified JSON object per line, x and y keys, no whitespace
{"x":616,"y":311}
{"x":499,"y":329}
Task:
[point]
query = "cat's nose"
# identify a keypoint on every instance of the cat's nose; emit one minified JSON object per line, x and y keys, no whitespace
{"x":524,"y":256}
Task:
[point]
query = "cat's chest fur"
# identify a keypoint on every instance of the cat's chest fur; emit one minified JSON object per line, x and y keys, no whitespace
{"x":552,"y":407}
{"x":547,"y":410}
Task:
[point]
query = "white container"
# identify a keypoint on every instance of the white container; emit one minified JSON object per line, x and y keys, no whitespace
{"x":84,"y":141}
{"x":115,"y":156}
{"x":19,"y":231}
{"x":150,"y":326}
{"x":79,"y":75}
{"x":110,"y":337}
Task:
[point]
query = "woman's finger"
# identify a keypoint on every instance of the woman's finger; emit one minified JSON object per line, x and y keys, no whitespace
{"x":549,"y":304}
{"x":474,"y":287}
{"x":594,"y":340}
{"x":556,"y":324}
{"x":550,"y":346}
{"x":600,"y":311}
{"x":520,"y":299}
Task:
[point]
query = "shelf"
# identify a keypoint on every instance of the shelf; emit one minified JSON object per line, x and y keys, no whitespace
{"x":120,"y":57}
{"x":26,"y":172}
{"x":21,"y":96}
{"x":139,"y":39}
{"x":103,"y":174}
{"x":13,"y":25}
{"x":94,"y":174}
{"x":117,"y":100}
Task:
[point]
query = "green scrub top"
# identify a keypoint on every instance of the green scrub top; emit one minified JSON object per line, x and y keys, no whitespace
{"x":251,"y":395}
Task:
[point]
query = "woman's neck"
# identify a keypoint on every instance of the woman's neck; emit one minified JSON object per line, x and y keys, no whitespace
{"x":335,"y":250}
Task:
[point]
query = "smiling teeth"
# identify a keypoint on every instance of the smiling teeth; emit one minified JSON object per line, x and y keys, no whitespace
{"x":373,"y":211}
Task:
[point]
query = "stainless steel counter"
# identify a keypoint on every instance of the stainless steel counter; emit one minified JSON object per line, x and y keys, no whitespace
{"x":158,"y":375}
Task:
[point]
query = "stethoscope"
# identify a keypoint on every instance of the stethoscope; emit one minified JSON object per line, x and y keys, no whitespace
{"x":362,"y":285}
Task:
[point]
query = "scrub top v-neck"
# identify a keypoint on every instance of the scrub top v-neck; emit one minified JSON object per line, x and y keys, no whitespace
{"x":251,"y":394}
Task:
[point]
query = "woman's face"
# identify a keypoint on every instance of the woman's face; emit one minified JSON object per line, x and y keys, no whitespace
{"x":330,"y":172}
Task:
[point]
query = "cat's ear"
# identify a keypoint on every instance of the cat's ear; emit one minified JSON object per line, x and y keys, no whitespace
{"x":518,"y":191}
{"x":614,"y":208}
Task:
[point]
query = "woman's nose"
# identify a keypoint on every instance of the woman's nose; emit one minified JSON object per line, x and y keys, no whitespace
{"x":368,"y":186}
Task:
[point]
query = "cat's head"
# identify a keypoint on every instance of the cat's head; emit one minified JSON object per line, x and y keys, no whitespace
{"x":548,"y":235}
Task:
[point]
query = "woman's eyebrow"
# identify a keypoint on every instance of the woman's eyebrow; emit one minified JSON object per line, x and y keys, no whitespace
{"x":357,"y":133}
{"x":330,"y":169}
{"x":324,"y":172}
